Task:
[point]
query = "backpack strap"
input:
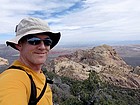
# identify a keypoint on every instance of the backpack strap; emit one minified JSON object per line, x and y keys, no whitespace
{"x":33,"y":100}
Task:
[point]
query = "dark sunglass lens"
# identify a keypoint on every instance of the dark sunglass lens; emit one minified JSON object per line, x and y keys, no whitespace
{"x":34,"y":41}
{"x":47,"y":42}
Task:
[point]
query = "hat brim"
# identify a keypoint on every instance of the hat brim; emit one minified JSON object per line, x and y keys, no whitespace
{"x":55,"y":37}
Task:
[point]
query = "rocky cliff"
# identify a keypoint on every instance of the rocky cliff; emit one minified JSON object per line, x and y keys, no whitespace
{"x":102,"y":59}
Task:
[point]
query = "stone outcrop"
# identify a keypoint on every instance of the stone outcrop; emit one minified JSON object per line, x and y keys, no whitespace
{"x":102,"y":59}
{"x":136,"y":70}
{"x":3,"y":61}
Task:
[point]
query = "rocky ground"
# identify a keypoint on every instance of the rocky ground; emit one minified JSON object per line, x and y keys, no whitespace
{"x":102,"y":59}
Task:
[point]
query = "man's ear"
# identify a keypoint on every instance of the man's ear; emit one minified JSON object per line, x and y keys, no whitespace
{"x":18,"y":46}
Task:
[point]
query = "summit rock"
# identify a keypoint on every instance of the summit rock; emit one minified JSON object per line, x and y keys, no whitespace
{"x":102,"y":59}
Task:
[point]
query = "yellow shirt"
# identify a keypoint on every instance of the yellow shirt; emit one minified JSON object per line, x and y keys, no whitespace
{"x":15,"y":86}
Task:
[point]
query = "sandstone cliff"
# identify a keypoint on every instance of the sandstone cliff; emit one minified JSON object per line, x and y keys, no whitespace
{"x":102,"y":59}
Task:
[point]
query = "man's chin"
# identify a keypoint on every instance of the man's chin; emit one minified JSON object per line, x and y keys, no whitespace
{"x":40,"y":62}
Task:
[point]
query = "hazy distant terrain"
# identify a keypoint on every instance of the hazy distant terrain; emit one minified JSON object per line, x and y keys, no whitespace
{"x":130,"y":53}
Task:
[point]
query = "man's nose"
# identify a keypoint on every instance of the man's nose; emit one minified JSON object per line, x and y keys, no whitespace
{"x":42,"y":45}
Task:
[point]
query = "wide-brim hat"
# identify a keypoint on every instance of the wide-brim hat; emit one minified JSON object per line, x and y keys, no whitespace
{"x":30,"y":26}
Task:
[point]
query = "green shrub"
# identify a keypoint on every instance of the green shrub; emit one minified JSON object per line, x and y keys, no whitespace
{"x":94,"y":92}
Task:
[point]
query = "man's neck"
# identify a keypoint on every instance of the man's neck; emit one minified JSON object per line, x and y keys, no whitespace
{"x":36,"y":68}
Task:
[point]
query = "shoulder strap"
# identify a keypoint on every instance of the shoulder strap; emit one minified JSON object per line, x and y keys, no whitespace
{"x":33,"y":86}
{"x":33,"y":100}
{"x":42,"y":92}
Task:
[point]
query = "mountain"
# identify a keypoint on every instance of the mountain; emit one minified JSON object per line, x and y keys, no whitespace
{"x":102,"y":59}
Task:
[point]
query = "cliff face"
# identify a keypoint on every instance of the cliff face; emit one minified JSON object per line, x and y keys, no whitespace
{"x":102,"y":59}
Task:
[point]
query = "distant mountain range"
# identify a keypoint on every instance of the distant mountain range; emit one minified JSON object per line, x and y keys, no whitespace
{"x":92,"y":43}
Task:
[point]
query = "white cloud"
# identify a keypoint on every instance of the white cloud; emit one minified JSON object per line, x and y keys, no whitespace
{"x":92,"y":19}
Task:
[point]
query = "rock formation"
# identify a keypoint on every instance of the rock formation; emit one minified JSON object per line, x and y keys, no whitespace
{"x":3,"y":61}
{"x":136,"y":70}
{"x":102,"y":59}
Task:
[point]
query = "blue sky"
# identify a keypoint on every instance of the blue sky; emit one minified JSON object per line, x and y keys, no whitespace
{"x":79,"y":21}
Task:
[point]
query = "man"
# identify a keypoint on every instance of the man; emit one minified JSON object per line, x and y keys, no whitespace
{"x":33,"y":41}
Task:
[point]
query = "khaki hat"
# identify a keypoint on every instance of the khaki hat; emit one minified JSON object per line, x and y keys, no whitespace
{"x":28,"y":26}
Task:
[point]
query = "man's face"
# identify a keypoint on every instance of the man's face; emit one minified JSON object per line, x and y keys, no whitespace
{"x":34,"y":54}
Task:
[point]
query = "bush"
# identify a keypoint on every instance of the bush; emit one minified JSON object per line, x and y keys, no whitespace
{"x":93,"y":92}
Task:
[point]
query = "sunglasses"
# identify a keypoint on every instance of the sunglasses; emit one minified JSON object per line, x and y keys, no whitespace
{"x":37,"y":41}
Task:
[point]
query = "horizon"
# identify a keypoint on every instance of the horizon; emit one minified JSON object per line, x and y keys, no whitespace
{"x":95,"y":43}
